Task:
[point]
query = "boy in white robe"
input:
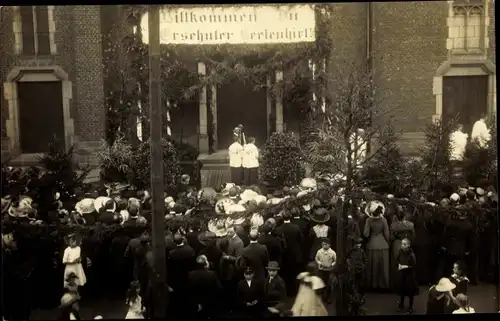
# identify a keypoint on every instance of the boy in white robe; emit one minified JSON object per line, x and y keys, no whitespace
{"x":458,"y":142}
{"x":250,"y":162}
{"x":480,"y":132}
{"x":235,"y":161}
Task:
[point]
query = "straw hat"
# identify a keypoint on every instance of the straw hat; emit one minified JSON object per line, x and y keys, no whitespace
{"x":445,"y":285}
{"x":372,"y":206}
{"x":85,"y":206}
{"x":480,"y":191}
{"x":101,"y":201}
{"x":256,"y":220}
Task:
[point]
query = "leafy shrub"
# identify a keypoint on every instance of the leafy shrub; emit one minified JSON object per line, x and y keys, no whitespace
{"x":281,"y":162}
{"x":61,"y":173}
{"x":141,"y":165}
{"x":115,"y":161}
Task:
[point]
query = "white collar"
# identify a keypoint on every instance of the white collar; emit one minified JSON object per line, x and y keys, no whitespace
{"x":287,"y":221}
{"x":253,"y":242}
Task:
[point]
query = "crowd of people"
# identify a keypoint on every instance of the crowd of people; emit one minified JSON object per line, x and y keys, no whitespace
{"x":253,"y":265}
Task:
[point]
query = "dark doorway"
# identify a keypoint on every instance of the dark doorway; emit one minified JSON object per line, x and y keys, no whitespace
{"x":41,"y":115}
{"x":238,"y":103}
{"x":465,"y":97}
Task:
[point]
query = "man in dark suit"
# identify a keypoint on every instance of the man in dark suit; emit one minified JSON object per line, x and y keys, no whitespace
{"x":303,"y":224}
{"x":251,"y":294}
{"x":275,"y":246}
{"x":228,"y":272}
{"x":255,"y":256}
{"x":180,"y":262}
{"x":204,"y":289}
{"x":293,"y":256}
{"x":275,"y":286}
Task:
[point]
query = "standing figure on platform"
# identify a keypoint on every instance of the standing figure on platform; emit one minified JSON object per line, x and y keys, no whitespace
{"x":235,"y":161}
{"x":250,"y":163}
{"x":458,"y":142}
{"x":480,"y":132}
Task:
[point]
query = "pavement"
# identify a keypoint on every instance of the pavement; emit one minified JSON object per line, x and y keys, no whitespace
{"x":482,"y":298}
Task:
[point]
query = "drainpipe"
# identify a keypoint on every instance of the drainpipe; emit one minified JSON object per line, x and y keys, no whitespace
{"x":369,"y":50}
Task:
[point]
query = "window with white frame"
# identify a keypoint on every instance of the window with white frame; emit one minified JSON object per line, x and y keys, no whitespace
{"x":34,"y":30}
{"x":467,"y":27}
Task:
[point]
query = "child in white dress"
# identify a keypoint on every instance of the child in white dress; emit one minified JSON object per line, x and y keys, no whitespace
{"x":73,"y":261}
{"x":134,"y":301}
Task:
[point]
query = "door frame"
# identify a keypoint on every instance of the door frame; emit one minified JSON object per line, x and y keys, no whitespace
{"x":35,"y":74}
{"x":480,"y":67}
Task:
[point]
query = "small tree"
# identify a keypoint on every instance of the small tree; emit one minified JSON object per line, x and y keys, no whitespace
{"x":352,"y":119}
{"x":436,"y":155}
{"x":385,"y":172}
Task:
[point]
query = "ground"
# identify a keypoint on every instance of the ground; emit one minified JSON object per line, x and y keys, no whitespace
{"x":483,"y":300}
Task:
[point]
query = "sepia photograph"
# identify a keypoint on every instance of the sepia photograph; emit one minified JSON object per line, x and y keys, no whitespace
{"x":252,"y":160}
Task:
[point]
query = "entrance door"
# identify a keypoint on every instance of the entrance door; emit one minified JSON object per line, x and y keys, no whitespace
{"x":465,"y":97}
{"x":40,"y":115}
{"x":238,"y":103}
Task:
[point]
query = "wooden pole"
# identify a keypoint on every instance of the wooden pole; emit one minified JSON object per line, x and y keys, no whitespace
{"x":159,"y":270}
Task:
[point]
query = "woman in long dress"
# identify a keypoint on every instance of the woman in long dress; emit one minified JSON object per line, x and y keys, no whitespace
{"x":308,"y":302}
{"x":377,"y":231}
{"x":134,"y":302}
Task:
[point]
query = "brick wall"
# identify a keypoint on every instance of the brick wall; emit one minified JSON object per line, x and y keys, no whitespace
{"x":409,"y":43}
{"x":88,"y":78}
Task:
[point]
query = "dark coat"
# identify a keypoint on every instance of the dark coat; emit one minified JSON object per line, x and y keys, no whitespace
{"x":107,"y":217}
{"x":180,"y":262}
{"x":457,"y":237}
{"x":214,"y":255}
{"x":204,"y":289}
{"x":294,"y":252}
{"x":275,"y":291}
{"x":407,"y":277}
{"x":256,"y":257}
{"x":274,"y":245}
{"x":192,"y":239}
{"x":303,"y":224}
{"x":256,"y":292}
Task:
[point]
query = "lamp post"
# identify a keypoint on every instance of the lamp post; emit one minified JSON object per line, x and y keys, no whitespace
{"x":158,"y":233}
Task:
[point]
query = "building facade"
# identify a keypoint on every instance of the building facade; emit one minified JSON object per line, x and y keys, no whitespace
{"x":430,"y":60}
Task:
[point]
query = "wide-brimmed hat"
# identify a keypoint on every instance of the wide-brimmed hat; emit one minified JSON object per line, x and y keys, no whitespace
{"x":85,"y":206}
{"x":225,"y":190}
{"x":273,"y":265}
{"x":206,"y":237}
{"x":223,"y":205}
{"x":372,"y":206}
{"x":101,"y":201}
{"x":218,"y":226}
{"x":207,"y":193}
{"x":248,"y":195}
{"x":19,"y":211}
{"x":320,"y":215}
{"x":445,"y":285}
{"x":6,"y":202}
{"x":308,"y":183}
{"x":256,"y":220}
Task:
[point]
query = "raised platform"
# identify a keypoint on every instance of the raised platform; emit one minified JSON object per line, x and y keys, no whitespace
{"x":215,"y":170}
